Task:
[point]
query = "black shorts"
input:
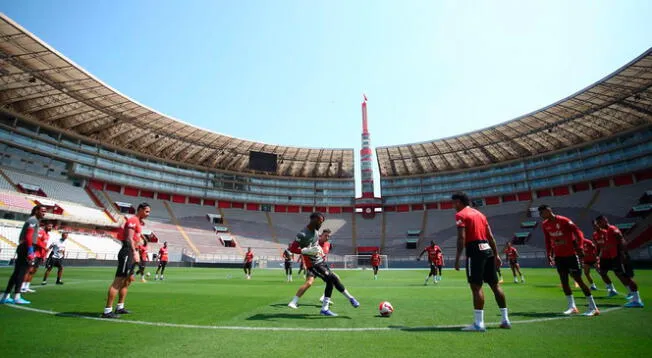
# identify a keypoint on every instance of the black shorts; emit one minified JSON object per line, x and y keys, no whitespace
{"x":320,"y":270}
{"x":513,"y":262}
{"x":567,"y":264}
{"x":616,"y":265}
{"x":162,"y":264}
{"x":591,"y":263}
{"x":125,"y":263}
{"x":480,"y":264}
{"x":439,"y":267}
{"x":288,"y":265}
{"x":247,"y":265}
{"x":52,"y":262}
{"x":375,"y":267}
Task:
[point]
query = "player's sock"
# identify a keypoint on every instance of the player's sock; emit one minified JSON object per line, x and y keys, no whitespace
{"x":120,"y":306}
{"x":295,"y":300}
{"x":23,"y":287}
{"x":479,"y":317}
{"x":108,"y":310}
{"x":636,"y":297}
{"x":591,"y":302}
{"x":571,"y":301}
{"x":347,"y":294}
{"x":17,"y":297}
{"x":326,"y":304}
{"x":504,"y":315}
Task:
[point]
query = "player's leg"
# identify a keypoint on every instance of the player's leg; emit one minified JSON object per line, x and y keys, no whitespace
{"x":430,"y":274}
{"x":565,"y":286}
{"x":16,"y":279}
{"x":306,"y":285}
{"x":27,"y":279}
{"x":375,"y":272}
{"x":438,"y":273}
{"x":512,"y":266}
{"x":605,"y":266}
{"x":576,"y":273}
{"x":475,"y":266}
{"x":48,"y":268}
{"x":629,"y":282}
{"x":587,"y":273}
{"x":59,"y":272}
{"x":164,"y":264}
{"x":520,"y":274}
{"x":491,"y":278}
{"x":158,"y":268}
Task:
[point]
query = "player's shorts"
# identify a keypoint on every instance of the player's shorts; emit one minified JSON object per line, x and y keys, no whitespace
{"x":288,"y":265}
{"x":513,"y":262}
{"x":439,"y":267}
{"x":52,"y":262}
{"x":433,"y":267}
{"x":38,"y":261}
{"x":162,"y":264}
{"x":616,"y":265}
{"x":320,"y":270}
{"x":125,"y":263}
{"x":567,"y":264}
{"x":480,"y":263}
{"x":375,"y":267}
{"x":591,"y":263}
{"x":247,"y":265}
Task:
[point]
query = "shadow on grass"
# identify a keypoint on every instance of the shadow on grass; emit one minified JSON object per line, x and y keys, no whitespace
{"x":431,"y":329}
{"x":275,"y":316}
{"x":285,"y":305}
{"x":79,"y":314}
{"x":536,"y":314}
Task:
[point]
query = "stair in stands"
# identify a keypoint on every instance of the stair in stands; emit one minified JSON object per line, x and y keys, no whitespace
{"x":175,"y":221}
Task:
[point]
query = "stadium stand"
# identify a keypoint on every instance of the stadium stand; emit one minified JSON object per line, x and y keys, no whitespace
{"x":55,"y":189}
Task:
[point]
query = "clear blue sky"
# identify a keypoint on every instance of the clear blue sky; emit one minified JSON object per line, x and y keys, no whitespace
{"x":292,"y":72}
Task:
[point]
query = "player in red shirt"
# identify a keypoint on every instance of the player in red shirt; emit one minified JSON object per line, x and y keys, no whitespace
{"x":433,"y":252}
{"x":375,"y":262}
{"x":248,"y":262}
{"x":40,"y":252}
{"x":613,"y":256}
{"x":590,"y":260}
{"x":474,"y":233}
{"x":127,"y":258}
{"x":564,"y":248}
{"x":511,"y":256}
{"x":142,"y":251}
{"x":162,"y":261}
{"x":325,"y":245}
{"x":599,"y":237}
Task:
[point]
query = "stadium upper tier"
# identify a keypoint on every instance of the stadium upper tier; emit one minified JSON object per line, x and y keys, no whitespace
{"x":41,"y":85}
{"x":618,"y":103}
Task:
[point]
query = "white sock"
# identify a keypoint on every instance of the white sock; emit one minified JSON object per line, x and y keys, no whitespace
{"x":347,"y":294}
{"x":636,"y":297}
{"x":571,"y":301}
{"x":5,"y":295}
{"x":591,"y":302}
{"x":120,"y":306}
{"x":17,"y":297}
{"x":108,"y":310}
{"x":503,"y":313}
{"x":295,"y":300}
{"x":27,"y":285}
{"x":427,"y":278}
{"x":610,"y":287}
{"x":479,"y":317}
{"x":326,"y":304}
{"x":23,"y":286}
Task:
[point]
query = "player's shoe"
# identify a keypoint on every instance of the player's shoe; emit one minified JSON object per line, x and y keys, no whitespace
{"x":591,"y":313}
{"x":571,"y":310}
{"x":474,"y":328}
{"x":109,"y":315}
{"x":505,"y":325}
{"x":577,"y":285}
{"x":328,"y":313}
{"x":501,"y":281}
{"x":7,"y":300}
{"x":594,"y":287}
{"x":44,"y":283}
{"x":27,"y":290}
{"x":629,"y":296}
{"x":59,"y":282}
{"x":522,"y":279}
{"x":515,"y":280}
{"x":122,"y":311}
{"x":612,"y":293}
{"x":22,"y":301}
{"x":354,"y":302}
{"x":634,"y":304}
{"x":143,"y":280}
{"x":293,"y":305}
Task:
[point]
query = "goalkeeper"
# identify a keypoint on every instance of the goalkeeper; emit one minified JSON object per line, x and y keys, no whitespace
{"x":307,"y":244}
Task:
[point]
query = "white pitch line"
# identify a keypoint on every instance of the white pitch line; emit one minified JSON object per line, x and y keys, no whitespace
{"x":323,"y":329}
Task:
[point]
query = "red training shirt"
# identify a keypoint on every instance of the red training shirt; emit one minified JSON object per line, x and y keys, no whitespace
{"x":474,"y":223}
{"x":562,"y":236}
{"x":608,"y":242}
{"x":511,"y":252}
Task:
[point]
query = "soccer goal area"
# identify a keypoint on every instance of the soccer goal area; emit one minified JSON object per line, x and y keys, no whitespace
{"x":363,"y":262}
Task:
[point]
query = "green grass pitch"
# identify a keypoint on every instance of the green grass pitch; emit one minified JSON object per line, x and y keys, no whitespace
{"x":216,"y":312}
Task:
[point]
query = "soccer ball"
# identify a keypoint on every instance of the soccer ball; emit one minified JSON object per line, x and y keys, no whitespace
{"x":148,"y":274}
{"x":385,"y":308}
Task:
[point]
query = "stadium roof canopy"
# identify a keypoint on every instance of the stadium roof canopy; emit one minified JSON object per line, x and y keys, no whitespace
{"x":620,"y":102}
{"x":39,"y":84}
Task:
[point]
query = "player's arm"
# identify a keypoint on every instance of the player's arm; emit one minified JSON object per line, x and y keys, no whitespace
{"x":492,"y":244}
{"x":622,"y":247}
{"x":578,"y":241}
{"x":461,"y":238}
{"x":129,"y":242}
{"x":421,"y":254}
{"x":29,"y":241}
{"x":548,"y":241}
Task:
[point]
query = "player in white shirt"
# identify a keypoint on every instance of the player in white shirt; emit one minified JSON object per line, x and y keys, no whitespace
{"x":57,"y":254}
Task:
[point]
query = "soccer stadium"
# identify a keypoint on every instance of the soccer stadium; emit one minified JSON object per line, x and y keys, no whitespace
{"x":90,"y":155}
